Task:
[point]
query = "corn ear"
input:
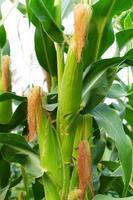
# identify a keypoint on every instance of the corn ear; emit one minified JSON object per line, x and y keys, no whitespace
{"x":84,"y":168}
{"x":6,"y":78}
{"x":33,"y":101}
{"x":70,"y":93}
{"x":49,"y":145}
{"x":5,"y":86}
{"x":71,"y":87}
{"x":83,"y":132}
{"x":82,"y":17}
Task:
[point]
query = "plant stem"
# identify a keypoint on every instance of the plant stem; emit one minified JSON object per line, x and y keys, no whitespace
{"x":59,"y":47}
{"x":67,"y":147}
{"x":60,"y":64}
{"x":25,"y":181}
{"x":67,"y":181}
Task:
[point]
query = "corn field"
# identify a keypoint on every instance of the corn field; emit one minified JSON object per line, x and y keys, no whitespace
{"x":75,"y":140}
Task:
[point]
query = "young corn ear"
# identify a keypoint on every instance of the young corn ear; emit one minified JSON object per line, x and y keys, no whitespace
{"x":33,"y":103}
{"x":6,"y":78}
{"x":69,"y":105}
{"x":82,"y":17}
{"x":84,"y":168}
{"x":71,"y":88}
{"x":5,"y":86}
{"x":49,"y":146}
{"x":71,"y":85}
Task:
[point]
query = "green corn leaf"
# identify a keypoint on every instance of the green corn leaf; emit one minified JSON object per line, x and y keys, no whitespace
{"x":6,"y":117}
{"x":50,"y":6}
{"x":130,"y":97}
{"x":16,"y":119}
{"x":123,"y":37}
{"x":8,"y":96}
{"x":22,"y":8}
{"x":98,"y":79}
{"x":4,"y":172}
{"x":38,"y":190}
{"x":2,"y":36}
{"x":49,"y":26}
{"x":16,"y":181}
{"x":117,"y":91}
{"x":16,"y":149}
{"x":110,"y":123}
{"x":101,"y":28}
{"x":74,"y":179}
{"x":128,"y":21}
{"x":45,"y":51}
{"x":107,"y":182}
{"x":3,"y":192}
{"x":129,"y":115}
{"x":5,"y":111}
{"x":103,"y":197}
{"x":98,"y":150}
{"x":51,"y":191}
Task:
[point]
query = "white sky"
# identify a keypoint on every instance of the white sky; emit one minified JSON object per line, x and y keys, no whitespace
{"x":24,"y":66}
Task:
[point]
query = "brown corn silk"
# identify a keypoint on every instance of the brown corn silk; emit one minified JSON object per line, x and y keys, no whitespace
{"x":6,"y":73}
{"x":84,"y":167}
{"x":82,"y":16}
{"x":34,"y":111}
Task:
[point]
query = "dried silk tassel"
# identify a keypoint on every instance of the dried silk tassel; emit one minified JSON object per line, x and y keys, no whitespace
{"x":34,"y":104}
{"x":84,"y":167}
{"x":6,"y":82}
{"x":82,"y":17}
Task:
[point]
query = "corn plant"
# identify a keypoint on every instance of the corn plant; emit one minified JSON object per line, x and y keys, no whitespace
{"x":69,"y":143}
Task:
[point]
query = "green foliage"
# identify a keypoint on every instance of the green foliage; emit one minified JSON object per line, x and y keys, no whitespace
{"x":106,"y":119}
{"x":98,"y":79}
{"x":45,"y":51}
{"x":2,"y":36}
{"x":16,"y":149}
{"x":47,"y":21}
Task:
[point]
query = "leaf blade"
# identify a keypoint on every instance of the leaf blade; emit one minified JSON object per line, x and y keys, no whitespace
{"x":110,"y":122}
